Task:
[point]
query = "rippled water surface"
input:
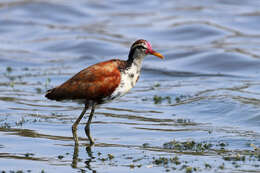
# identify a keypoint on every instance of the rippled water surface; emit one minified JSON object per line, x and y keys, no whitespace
{"x":196,"y":111}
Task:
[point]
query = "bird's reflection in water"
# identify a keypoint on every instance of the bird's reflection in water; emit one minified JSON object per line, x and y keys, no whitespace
{"x":88,"y":161}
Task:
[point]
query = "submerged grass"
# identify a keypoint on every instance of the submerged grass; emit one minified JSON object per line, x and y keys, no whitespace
{"x":188,"y":145}
{"x":160,"y":99}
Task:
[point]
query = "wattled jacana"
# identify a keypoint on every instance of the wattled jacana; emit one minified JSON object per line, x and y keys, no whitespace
{"x":102,"y":82}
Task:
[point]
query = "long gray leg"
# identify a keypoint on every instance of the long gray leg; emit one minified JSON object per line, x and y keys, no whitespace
{"x":87,"y":129}
{"x":75,"y":125}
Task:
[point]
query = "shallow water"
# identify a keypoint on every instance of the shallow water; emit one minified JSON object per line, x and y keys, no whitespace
{"x":207,"y":89}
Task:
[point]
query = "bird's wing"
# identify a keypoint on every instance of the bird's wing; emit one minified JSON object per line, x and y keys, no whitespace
{"x":93,"y":83}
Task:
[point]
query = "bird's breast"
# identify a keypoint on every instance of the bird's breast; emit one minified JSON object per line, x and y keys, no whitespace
{"x":129,"y":77}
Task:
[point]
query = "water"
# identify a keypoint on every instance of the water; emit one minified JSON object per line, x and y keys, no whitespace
{"x":208,"y":84}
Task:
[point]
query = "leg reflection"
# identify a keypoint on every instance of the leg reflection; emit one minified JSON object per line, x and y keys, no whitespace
{"x":74,"y":163}
{"x":88,"y":161}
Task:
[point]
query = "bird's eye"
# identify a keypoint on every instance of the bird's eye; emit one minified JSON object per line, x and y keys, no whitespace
{"x":142,"y":47}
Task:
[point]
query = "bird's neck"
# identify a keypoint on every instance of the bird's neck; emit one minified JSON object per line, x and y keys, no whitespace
{"x":135,"y":59}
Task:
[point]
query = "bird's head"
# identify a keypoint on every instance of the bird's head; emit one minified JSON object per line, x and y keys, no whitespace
{"x":141,"y":48}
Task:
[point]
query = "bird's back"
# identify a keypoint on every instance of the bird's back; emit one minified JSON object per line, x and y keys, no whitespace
{"x":93,"y":83}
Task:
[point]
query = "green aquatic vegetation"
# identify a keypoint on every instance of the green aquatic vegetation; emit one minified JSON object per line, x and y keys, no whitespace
{"x":235,"y":164}
{"x":168,"y":98}
{"x":8,"y":99}
{"x":208,"y":166}
{"x":132,"y":166}
{"x":28,"y":154}
{"x":189,"y":169}
{"x":188,"y":145}
{"x":110,"y":156}
{"x":102,"y":159}
{"x":177,"y":99}
{"x":38,"y":90}
{"x":160,"y":99}
{"x":60,"y":157}
{"x":184,"y":121}
{"x":18,"y":171}
{"x":161,"y":161}
{"x":222,"y":144}
{"x":167,"y":170}
{"x":236,"y":157}
{"x":157,"y":99}
{"x":180,"y":98}
{"x":145,"y":145}
{"x":222,"y":166}
{"x":165,"y":161}
{"x":155,"y":86}
{"x":175,"y":160}
{"x":11,"y":84}
{"x":9,"y":69}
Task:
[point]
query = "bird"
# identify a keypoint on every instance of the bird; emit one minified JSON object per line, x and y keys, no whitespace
{"x":102,"y":82}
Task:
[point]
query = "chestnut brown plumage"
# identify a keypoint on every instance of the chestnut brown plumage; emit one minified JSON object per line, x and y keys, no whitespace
{"x":93,"y":83}
{"x":102,"y":82}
